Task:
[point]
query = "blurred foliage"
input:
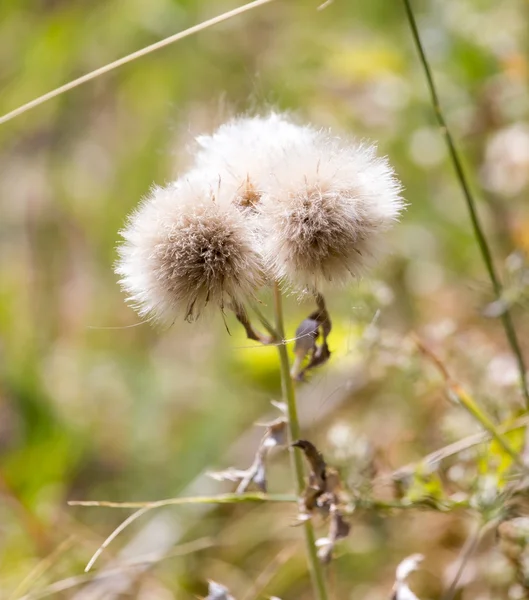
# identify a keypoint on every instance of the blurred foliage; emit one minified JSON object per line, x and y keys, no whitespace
{"x":93,"y":406}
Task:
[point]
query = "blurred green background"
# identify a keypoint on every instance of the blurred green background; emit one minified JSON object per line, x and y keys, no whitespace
{"x":91,"y":408}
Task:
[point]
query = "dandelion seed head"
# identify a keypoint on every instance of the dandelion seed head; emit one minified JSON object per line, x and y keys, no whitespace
{"x":244,"y":150}
{"x":323,"y":210}
{"x":184,"y":250}
{"x":266,"y":199}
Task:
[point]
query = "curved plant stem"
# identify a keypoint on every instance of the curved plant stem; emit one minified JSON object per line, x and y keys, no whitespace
{"x":289,"y":396}
{"x":506,"y":317}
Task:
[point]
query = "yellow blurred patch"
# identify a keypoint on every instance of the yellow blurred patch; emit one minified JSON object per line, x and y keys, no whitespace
{"x":363,"y":63}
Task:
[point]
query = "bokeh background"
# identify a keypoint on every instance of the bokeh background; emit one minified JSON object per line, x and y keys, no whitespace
{"x":93,"y":407}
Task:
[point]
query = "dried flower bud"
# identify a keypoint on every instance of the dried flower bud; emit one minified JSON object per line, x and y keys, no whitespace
{"x":184,"y":249}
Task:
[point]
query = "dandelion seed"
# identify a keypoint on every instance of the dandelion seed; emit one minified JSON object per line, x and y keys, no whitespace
{"x":184,"y":248}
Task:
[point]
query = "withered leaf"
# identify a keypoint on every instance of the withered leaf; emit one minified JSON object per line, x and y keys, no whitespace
{"x":323,"y":494}
{"x":306,"y":345}
{"x":339,"y":529}
{"x":275,"y":435}
{"x":230,"y":474}
{"x":316,"y":462}
{"x":401,"y":590}
{"x":251,"y":333}
{"x":216,"y":591}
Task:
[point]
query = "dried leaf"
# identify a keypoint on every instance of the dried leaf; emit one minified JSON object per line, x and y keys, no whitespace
{"x":323,"y":493}
{"x":275,"y":435}
{"x":307,"y":334}
{"x":258,"y":476}
{"x":216,"y":591}
{"x":316,"y":462}
{"x":325,"y":550}
{"x":251,"y":333}
{"x":401,"y":590}
{"x":338,"y":530}
{"x":281,"y":406}
{"x":407,"y":566}
{"x":230,"y":474}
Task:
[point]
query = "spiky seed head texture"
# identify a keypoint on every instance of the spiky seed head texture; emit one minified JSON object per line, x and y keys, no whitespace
{"x":243,"y":151}
{"x":266,"y":199}
{"x":318,"y":204}
{"x":184,"y":249}
{"x":324,"y":210}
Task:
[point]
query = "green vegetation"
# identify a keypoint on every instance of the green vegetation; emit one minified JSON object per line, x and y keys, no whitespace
{"x":95,"y":406}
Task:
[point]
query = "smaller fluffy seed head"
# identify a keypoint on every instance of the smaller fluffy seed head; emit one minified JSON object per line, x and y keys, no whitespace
{"x":323,"y":211}
{"x":184,"y":250}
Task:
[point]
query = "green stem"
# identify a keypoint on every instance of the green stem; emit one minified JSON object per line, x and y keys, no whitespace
{"x":218,"y":499}
{"x":289,"y":396}
{"x":506,"y":317}
{"x":264,"y":321}
{"x":475,"y":411}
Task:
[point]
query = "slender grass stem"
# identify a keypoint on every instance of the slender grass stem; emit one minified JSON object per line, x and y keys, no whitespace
{"x":289,"y":396}
{"x":469,"y":548}
{"x":461,"y":446}
{"x":474,"y":410}
{"x":130,"y":57}
{"x":479,"y":233}
{"x":218,"y":499}
{"x":468,"y":403}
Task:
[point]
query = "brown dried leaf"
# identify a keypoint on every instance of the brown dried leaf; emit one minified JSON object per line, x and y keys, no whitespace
{"x":216,"y":591}
{"x":306,"y":336}
{"x":316,"y":462}
{"x":275,"y":435}
{"x":338,"y":530}
{"x":323,"y":493}
{"x":401,"y":590}
{"x":230,"y":474}
{"x":251,"y":333}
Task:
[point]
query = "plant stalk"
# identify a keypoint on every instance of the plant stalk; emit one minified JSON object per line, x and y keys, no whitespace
{"x":289,"y":397}
{"x":479,"y":233}
{"x":474,"y":410}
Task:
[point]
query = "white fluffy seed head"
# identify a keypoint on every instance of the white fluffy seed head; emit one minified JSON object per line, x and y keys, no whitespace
{"x":266,"y":200}
{"x":323,"y":211}
{"x":184,"y":250}
{"x":244,"y":150}
{"x":319,"y":205}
